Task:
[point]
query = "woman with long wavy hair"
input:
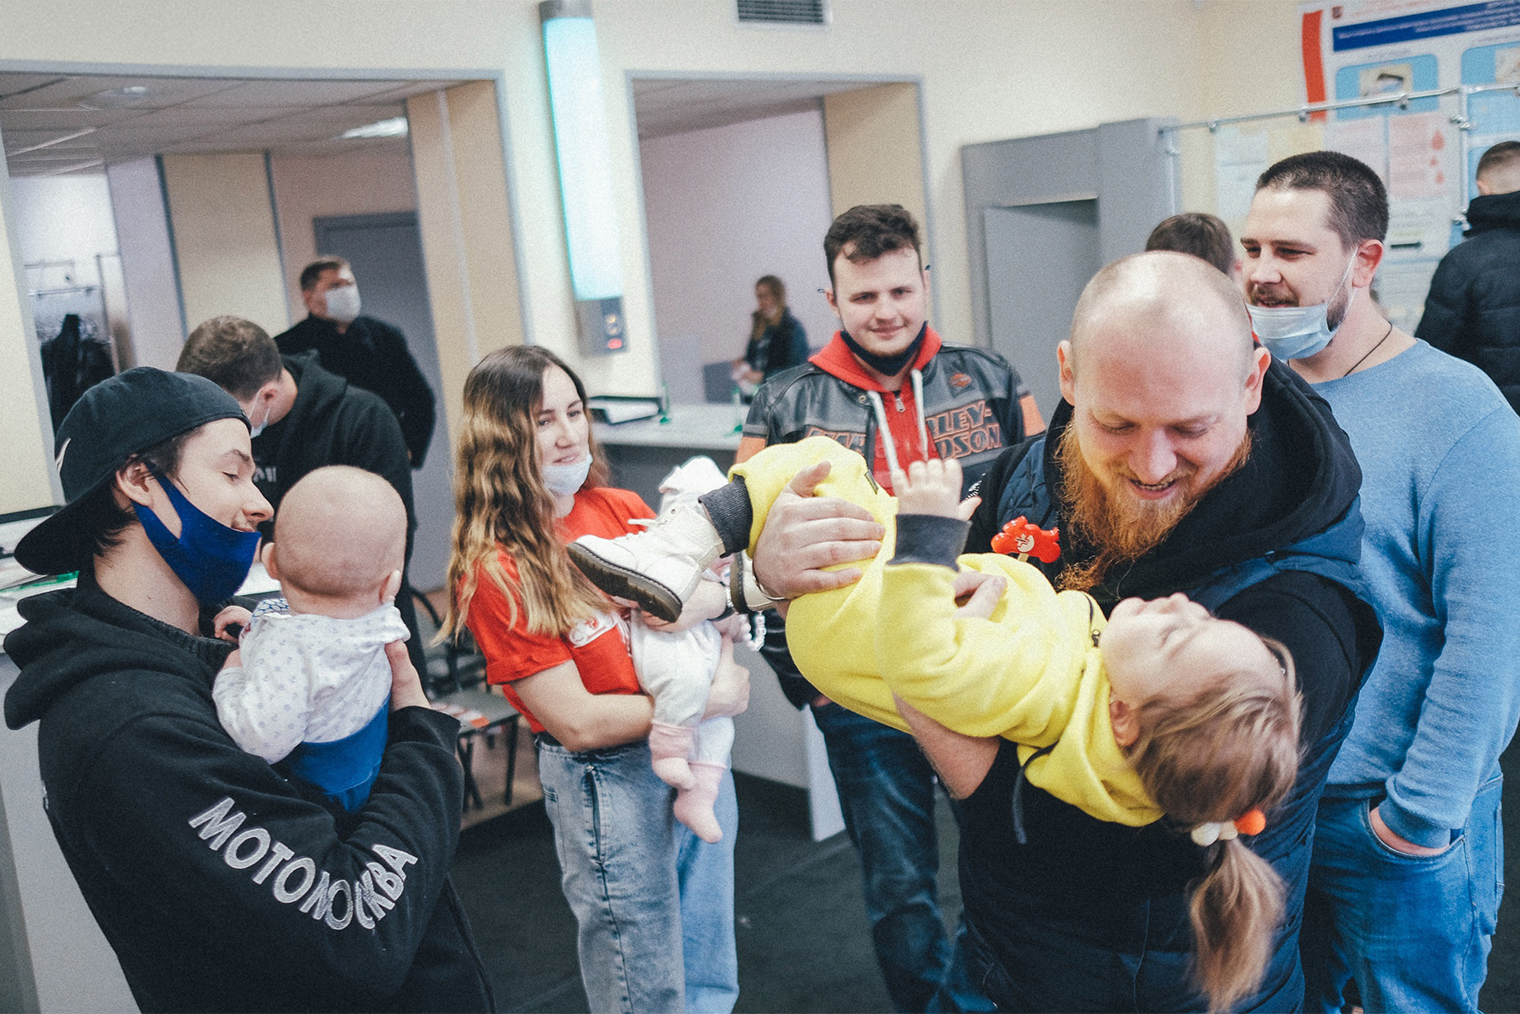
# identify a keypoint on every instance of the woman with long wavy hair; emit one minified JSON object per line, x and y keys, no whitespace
{"x":653,"y":902}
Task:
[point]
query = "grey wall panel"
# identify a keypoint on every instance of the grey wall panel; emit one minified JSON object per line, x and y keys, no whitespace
{"x":1135,"y":188}
{"x":1124,"y":166}
{"x":1025,"y":170}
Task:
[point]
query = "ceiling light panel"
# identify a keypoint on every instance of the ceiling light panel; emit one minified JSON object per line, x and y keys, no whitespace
{"x":395,"y":126}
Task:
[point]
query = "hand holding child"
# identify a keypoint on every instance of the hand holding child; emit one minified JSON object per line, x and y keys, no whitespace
{"x":406,"y":684}
{"x":729,"y":694}
{"x":706,"y":603}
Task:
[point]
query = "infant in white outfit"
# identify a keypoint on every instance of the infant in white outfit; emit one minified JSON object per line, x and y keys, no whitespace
{"x":310,"y":680}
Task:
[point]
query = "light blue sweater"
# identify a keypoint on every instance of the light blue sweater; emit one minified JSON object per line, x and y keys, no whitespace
{"x":1440,"y":454}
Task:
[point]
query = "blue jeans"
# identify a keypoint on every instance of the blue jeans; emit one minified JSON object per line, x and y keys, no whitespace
{"x":886,"y":790}
{"x":1413,"y":931}
{"x":654,"y":903}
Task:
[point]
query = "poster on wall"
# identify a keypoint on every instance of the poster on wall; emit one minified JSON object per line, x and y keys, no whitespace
{"x":1366,"y":49}
{"x":1242,"y":152}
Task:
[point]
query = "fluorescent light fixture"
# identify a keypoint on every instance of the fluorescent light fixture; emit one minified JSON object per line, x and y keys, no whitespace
{"x":585,"y":171}
{"x":396,"y":126}
{"x":116,"y":98}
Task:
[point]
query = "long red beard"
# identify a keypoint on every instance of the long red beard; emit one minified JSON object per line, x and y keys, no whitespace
{"x":1123,"y":529}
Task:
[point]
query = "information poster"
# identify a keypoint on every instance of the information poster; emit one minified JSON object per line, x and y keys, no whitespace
{"x":1243,"y":152}
{"x":1426,"y":154}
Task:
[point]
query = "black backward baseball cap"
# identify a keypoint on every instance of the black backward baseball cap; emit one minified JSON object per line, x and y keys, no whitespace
{"x":126,"y":415}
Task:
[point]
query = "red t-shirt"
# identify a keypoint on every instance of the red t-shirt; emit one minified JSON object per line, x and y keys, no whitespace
{"x":598,"y":646}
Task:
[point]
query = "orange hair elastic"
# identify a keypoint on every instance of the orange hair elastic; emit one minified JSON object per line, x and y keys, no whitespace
{"x":1253,"y":821}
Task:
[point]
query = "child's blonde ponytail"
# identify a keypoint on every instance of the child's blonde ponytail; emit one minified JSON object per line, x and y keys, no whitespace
{"x":1211,"y":758}
{"x":1235,"y":910}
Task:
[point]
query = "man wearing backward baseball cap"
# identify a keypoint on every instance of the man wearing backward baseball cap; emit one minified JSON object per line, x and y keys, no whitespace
{"x":220,"y":883}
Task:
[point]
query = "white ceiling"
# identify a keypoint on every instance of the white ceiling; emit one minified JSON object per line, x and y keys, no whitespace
{"x":54,"y":124}
{"x":674,"y":106}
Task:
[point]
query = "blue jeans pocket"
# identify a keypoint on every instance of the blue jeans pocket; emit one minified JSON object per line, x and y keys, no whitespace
{"x":1391,"y":854}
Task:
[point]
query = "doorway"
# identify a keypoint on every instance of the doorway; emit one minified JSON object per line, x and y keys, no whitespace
{"x":1043,"y":214}
{"x":1039,"y":257}
{"x":386,"y":254}
{"x":739,"y":178}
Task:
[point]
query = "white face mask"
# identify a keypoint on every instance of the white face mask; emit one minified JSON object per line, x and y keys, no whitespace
{"x":343,"y":303}
{"x":566,"y":480}
{"x":1298,"y":332}
{"x":255,"y":428}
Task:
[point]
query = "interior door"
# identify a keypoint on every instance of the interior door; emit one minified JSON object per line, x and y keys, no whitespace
{"x":386,"y":254}
{"x":1039,"y":257}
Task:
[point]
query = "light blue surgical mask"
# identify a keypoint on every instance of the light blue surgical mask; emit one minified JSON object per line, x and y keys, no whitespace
{"x":1298,"y":332}
{"x":566,"y":480}
{"x":343,"y":303}
{"x":255,"y":428}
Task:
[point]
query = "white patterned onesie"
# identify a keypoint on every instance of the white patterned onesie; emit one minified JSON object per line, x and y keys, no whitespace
{"x":315,"y":689}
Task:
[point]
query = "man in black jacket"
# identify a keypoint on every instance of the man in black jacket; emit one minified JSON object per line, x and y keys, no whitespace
{"x":1473,"y":308}
{"x":366,"y":352}
{"x":221,"y":883}
{"x":304,"y":417}
{"x":1179,"y":460}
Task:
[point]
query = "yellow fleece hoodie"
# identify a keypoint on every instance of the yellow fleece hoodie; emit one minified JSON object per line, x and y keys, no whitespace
{"x":1031,"y":673}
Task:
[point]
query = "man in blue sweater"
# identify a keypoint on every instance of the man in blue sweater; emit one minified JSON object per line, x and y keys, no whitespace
{"x":1403,"y":889}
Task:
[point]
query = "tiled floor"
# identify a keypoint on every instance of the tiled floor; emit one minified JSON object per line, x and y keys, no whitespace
{"x":800,"y":920}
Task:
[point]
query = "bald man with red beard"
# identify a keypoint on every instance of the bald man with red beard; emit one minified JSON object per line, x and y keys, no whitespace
{"x":1181,"y":459}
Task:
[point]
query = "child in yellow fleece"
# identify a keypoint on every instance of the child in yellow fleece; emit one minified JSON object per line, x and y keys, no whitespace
{"x":1161,"y":709}
{"x":1032,"y":672}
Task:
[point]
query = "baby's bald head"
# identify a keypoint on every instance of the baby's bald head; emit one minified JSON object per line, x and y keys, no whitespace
{"x":340,"y":532}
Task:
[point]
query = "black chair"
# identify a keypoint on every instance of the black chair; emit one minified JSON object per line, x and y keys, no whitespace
{"x":454,"y":684}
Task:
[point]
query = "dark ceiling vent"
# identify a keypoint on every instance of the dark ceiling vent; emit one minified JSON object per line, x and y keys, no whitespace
{"x":783,"y":12}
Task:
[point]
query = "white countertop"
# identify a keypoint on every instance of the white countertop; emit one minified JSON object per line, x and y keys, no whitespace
{"x":709,"y":427}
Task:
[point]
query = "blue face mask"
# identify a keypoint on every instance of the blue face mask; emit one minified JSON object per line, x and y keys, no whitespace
{"x":211,"y":559}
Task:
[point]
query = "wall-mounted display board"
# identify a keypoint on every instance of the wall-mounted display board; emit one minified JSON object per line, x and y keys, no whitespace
{"x":1417,"y":89}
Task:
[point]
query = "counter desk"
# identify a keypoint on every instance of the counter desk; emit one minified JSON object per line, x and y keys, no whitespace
{"x":772,"y":739}
{"x":642,"y":452}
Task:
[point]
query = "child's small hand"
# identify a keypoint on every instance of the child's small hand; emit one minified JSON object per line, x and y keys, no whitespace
{"x":932,"y":487}
{"x":231,"y":616}
{"x":977,"y":594}
{"x":234,"y":660}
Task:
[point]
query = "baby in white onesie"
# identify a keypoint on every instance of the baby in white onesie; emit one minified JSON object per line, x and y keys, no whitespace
{"x":310,"y":680}
{"x":676,"y":669}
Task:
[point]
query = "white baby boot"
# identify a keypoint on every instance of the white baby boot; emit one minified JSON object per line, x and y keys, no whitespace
{"x":658,"y":568}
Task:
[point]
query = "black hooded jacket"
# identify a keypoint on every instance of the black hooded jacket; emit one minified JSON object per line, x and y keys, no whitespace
{"x":333,"y":422}
{"x":1274,"y":547}
{"x":221,"y":884}
{"x":1473,"y":308}
{"x":372,"y":355}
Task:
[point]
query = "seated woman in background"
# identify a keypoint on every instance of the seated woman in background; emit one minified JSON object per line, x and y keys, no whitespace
{"x":776,"y":338}
{"x":654,"y":904}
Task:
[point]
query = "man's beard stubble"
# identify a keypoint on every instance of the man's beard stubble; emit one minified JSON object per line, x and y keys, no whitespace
{"x":1122,"y":529}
